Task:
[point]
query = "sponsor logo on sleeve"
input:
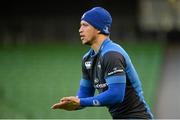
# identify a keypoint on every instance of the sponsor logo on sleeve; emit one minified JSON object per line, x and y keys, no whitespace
{"x":116,"y":70}
{"x":96,"y":103}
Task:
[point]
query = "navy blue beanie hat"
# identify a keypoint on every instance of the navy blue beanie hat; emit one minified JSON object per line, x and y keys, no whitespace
{"x":99,"y":18}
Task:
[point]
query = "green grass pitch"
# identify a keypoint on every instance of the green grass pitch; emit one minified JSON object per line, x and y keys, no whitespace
{"x":33,"y":77}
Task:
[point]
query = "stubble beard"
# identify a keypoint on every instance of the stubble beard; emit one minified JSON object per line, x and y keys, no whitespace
{"x":87,"y":43}
{"x":90,"y":42}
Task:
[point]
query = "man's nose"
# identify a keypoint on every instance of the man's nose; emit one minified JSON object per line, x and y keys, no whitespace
{"x":80,"y":29}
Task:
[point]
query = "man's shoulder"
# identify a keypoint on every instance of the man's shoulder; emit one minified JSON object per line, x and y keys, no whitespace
{"x":112,"y":47}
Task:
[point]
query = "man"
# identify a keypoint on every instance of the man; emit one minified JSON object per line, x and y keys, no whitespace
{"x":106,"y":67}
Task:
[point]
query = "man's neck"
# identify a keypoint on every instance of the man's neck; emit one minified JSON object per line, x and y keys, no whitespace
{"x":96,"y":46}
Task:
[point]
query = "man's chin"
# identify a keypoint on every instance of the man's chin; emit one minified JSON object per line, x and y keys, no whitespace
{"x":86,"y":43}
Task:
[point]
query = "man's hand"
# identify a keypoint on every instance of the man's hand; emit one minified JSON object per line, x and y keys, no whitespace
{"x":68,"y":103}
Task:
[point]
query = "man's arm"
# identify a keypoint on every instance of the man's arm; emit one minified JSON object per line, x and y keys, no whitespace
{"x":115,"y":77}
{"x":86,"y":89}
{"x":114,"y":94}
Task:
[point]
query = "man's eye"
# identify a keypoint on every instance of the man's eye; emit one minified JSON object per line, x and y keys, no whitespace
{"x":85,"y":24}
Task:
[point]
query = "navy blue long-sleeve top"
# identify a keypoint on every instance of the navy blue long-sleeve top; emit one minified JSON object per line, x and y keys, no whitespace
{"x":111,"y":72}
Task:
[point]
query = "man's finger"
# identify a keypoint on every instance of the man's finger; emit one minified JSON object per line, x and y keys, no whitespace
{"x":59,"y":105}
{"x":65,"y":99}
{"x":55,"y":106}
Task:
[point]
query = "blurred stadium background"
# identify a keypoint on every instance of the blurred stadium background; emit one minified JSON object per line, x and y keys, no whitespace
{"x":41,"y":52}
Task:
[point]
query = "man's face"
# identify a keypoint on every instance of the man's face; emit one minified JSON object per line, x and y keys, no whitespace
{"x":88,"y":33}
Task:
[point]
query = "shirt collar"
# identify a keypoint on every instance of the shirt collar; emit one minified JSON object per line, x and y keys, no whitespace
{"x":107,"y":40}
{"x":93,"y":53}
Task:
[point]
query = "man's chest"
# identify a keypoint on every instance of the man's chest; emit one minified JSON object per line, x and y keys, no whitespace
{"x":94,"y":66}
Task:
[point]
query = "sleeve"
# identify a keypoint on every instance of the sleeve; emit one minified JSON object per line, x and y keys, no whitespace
{"x":114,"y":94}
{"x":86,"y":89}
{"x":114,"y":67}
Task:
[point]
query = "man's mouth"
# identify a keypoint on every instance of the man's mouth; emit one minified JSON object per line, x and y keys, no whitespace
{"x":82,"y":37}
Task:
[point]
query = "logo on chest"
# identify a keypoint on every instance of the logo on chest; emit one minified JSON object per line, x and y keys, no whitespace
{"x":88,"y":64}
